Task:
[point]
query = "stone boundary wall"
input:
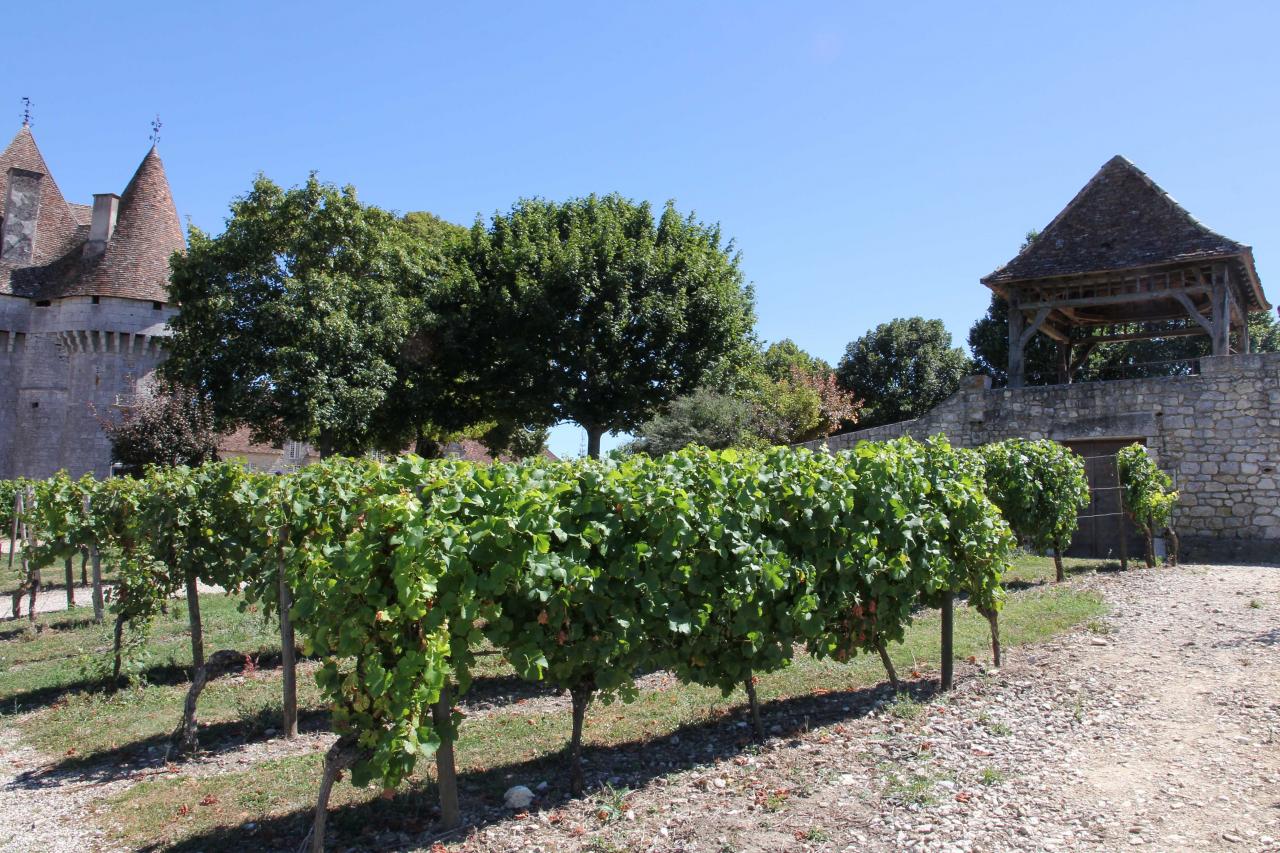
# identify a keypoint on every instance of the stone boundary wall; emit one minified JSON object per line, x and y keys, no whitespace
{"x":1217,"y":434}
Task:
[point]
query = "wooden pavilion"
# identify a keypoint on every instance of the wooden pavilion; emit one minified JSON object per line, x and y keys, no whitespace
{"x":1123,"y":262}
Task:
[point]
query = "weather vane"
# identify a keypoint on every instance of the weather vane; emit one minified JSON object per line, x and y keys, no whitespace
{"x":26,"y":112}
{"x":155,"y":130}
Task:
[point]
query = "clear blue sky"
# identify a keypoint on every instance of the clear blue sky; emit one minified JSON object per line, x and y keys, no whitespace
{"x":870,"y":160}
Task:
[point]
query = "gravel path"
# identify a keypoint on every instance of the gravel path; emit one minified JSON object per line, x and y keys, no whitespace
{"x":1155,"y":728}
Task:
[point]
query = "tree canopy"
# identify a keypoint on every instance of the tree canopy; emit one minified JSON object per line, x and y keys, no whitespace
{"x":591,"y":311}
{"x":297,"y":319}
{"x":901,"y":369}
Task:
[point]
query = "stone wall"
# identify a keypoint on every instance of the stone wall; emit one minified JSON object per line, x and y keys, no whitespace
{"x":64,"y":365}
{"x":1216,"y":433}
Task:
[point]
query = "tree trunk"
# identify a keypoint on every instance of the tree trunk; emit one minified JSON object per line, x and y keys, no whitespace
{"x":948,"y":638}
{"x":888,"y":667}
{"x":993,"y":619}
{"x":186,"y":738}
{"x":446,"y":773}
{"x":1059,"y":573}
{"x":1124,"y":545}
{"x":340,"y":756}
{"x":288,"y":659}
{"x":593,"y":441}
{"x":1149,"y":536}
{"x":71,"y":582}
{"x":98,"y":604}
{"x":581,"y":695}
{"x":753,"y":702}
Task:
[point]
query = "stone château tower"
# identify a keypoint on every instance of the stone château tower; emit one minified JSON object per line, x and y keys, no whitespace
{"x":83,"y":309}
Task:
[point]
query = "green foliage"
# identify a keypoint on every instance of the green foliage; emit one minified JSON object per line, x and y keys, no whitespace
{"x":590,"y":311}
{"x":297,"y":319}
{"x":901,"y":369}
{"x":1039,"y":486}
{"x":716,"y":565}
{"x":1145,"y":490}
{"x":169,"y":427}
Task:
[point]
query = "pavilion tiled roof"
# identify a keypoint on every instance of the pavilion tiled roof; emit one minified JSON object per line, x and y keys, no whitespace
{"x":1122,"y":220}
{"x":135,"y":263}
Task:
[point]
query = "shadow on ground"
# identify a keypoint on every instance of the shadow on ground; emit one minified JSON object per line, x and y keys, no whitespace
{"x":406,"y":821}
{"x":1100,"y":567}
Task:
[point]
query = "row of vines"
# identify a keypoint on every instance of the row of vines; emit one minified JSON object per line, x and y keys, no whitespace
{"x":715,"y":566}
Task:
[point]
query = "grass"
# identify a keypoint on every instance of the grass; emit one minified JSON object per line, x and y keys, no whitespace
{"x":1030,"y":570}
{"x":47,"y":677}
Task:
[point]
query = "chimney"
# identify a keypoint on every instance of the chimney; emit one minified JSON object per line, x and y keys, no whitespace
{"x":105,"y":208}
{"x":22,"y":208}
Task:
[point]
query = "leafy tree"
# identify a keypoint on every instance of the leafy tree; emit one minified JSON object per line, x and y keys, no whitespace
{"x":590,"y":311}
{"x":1148,"y":497}
{"x":170,"y":427}
{"x":709,"y":418}
{"x":902,"y":369}
{"x":295,"y":319}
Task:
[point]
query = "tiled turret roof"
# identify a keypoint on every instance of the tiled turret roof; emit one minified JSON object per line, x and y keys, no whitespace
{"x":135,"y":263}
{"x":1121,"y":220}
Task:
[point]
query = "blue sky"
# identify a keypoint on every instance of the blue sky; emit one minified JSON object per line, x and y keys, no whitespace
{"x":871,"y":161}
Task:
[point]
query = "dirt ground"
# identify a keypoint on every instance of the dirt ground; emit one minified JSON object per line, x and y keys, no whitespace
{"x":1155,"y":728}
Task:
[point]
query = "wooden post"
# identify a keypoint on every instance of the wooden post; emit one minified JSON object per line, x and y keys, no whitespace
{"x":1221,"y":318}
{"x":948,"y":638}
{"x":70,"y":569}
{"x":1064,"y":363}
{"x":1245,"y":344}
{"x":98,"y":603}
{"x":288,"y":657}
{"x":1017,"y":322}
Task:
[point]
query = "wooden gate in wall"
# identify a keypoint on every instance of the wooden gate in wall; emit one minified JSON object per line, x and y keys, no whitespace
{"x":1103,"y":526}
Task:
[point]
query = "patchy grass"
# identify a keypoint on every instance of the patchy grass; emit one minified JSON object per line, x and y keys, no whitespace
{"x":48,"y":677}
{"x":1030,"y":570}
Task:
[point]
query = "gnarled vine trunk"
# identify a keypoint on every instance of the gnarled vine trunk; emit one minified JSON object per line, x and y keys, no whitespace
{"x":288,"y":658}
{"x":1060,"y":573}
{"x":186,"y":739}
{"x":581,"y":694}
{"x":340,"y":756}
{"x":99,"y":606}
{"x":993,"y":619}
{"x":71,"y":582}
{"x":446,"y":772}
{"x":753,"y":702}
{"x":888,"y":667}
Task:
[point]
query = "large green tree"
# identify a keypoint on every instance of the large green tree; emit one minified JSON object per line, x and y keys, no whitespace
{"x":296,"y":320}
{"x":591,"y":311}
{"x":902,"y":369}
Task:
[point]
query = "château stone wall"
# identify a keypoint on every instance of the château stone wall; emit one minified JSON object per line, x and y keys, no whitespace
{"x":1217,"y":434}
{"x":62,"y":366}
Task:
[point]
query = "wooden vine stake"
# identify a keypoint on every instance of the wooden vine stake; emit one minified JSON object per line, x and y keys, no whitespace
{"x":186,"y":737}
{"x":288,"y":655}
{"x":948,"y":639}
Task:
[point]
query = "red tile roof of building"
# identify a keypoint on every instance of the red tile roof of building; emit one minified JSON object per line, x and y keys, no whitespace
{"x":135,"y":264}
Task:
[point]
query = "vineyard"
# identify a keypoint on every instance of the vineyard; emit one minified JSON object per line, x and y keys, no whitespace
{"x":405,"y":580}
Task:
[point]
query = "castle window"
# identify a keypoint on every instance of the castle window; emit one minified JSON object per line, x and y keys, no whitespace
{"x":156,"y":306}
{"x":97,"y":299}
{"x":293,"y":451}
{"x":35,"y":404}
{"x":42,"y":303}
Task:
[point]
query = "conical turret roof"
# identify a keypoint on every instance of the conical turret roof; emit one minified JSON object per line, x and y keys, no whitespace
{"x":135,"y":264}
{"x":59,"y":230}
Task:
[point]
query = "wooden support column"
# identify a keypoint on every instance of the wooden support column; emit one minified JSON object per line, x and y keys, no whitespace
{"x":1064,"y":363}
{"x":1017,"y":367}
{"x":1245,"y":343}
{"x":1221,"y":315}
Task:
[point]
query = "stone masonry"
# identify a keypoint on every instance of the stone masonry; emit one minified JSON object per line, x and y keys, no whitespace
{"x":1216,"y":433}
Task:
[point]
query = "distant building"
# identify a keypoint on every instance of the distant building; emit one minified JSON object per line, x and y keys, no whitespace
{"x":83,"y":309}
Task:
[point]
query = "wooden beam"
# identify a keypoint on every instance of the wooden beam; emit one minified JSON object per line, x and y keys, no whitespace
{"x":1186,"y":303}
{"x":1115,"y":299}
{"x":1143,"y":336}
{"x":1035,"y":325}
{"x":1016,"y":344}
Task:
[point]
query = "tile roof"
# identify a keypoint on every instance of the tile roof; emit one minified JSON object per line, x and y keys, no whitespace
{"x":1120,"y":220}
{"x":135,"y":263}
